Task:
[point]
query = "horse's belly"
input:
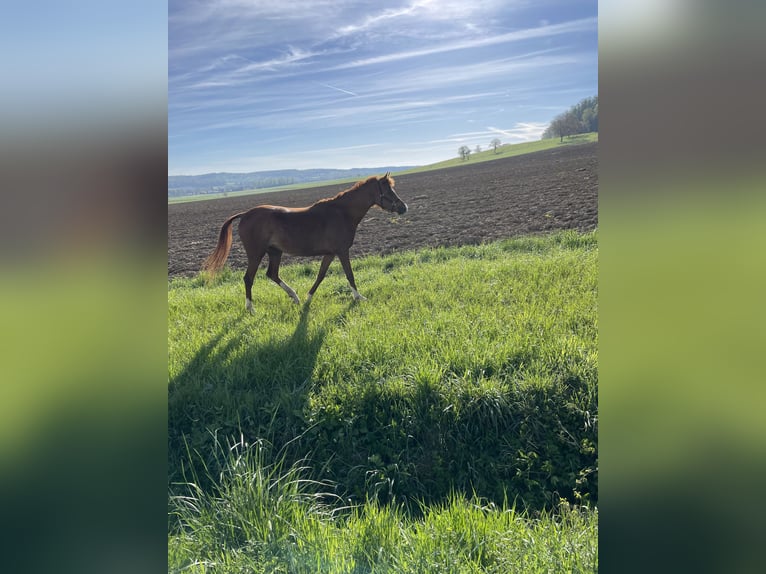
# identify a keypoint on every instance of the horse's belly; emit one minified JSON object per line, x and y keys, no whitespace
{"x":306,"y":245}
{"x":322,"y":240}
{"x":293,"y":247}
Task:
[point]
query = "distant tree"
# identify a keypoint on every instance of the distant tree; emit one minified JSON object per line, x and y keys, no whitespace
{"x":586,"y":113}
{"x":580,"y":118}
{"x":464,"y":152}
{"x":565,"y":126}
{"x":478,"y":148}
{"x":495,"y":143}
{"x":590,"y":119}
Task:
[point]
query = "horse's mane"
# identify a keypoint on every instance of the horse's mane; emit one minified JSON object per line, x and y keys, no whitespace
{"x":356,"y":186}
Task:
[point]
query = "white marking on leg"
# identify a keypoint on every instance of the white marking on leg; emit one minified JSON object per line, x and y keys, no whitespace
{"x":290,"y":292}
{"x":357,"y":296}
{"x":249,"y":305}
{"x":308,"y":297}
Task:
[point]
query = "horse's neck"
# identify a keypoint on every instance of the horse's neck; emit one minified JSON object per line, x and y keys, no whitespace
{"x":357,"y":203}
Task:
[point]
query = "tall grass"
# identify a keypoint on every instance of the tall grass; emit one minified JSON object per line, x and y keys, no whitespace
{"x":451,"y":417}
{"x":260,"y":517}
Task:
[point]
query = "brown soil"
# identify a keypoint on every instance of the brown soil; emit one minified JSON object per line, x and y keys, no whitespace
{"x":473,"y":203}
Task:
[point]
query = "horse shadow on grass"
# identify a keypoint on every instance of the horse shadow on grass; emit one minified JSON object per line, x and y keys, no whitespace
{"x":235,"y":391}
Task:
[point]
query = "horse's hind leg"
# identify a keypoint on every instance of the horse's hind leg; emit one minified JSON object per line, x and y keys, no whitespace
{"x":252,"y":267}
{"x":346,"y":263}
{"x":275,"y":256}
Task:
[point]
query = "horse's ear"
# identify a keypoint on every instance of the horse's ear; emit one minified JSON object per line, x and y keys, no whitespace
{"x":387,"y":174}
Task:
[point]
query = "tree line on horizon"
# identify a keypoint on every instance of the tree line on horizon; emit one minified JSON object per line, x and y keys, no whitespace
{"x":581,"y":118}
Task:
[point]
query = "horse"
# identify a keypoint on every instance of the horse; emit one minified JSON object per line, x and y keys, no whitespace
{"x":325,"y":228}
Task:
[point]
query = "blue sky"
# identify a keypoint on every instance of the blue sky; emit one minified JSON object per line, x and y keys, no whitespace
{"x":275,"y":84}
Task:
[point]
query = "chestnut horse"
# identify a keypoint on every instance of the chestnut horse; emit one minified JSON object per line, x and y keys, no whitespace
{"x":325,"y":228}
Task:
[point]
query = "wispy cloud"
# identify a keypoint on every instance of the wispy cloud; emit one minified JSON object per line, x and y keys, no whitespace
{"x":516,"y":36}
{"x":220,"y":75}
{"x":349,"y":92}
{"x":437,"y":77}
{"x":378,"y":19}
{"x":459,"y":12}
{"x":522,"y":131}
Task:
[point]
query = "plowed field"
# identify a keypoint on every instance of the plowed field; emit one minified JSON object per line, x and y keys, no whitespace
{"x":473,"y":203}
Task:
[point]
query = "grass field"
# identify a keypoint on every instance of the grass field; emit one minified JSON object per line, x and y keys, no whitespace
{"x":450,"y":417}
{"x":261,"y":517}
{"x":508,"y":150}
{"x":504,"y":151}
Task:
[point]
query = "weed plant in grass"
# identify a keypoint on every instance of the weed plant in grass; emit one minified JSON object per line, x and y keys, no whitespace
{"x":470,"y":369}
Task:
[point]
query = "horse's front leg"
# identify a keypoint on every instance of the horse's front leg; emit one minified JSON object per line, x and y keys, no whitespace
{"x":346,"y":263}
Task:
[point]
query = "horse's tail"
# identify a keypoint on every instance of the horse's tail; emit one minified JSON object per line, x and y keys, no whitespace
{"x":217,"y":258}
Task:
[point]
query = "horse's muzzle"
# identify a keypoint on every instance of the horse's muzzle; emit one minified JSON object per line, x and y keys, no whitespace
{"x":401,"y":209}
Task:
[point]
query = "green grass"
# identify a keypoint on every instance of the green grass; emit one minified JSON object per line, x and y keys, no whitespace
{"x":469,"y":370}
{"x":505,"y":151}
{"x":262,"y":517}
{"x":509,"y":150}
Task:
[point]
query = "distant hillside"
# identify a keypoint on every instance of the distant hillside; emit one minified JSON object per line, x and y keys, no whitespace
{"x":183,"y":185}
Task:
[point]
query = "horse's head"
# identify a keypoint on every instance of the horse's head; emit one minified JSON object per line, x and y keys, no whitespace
{"x":386,"y":197}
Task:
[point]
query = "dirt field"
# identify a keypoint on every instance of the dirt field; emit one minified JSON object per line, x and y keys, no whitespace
{"x":473,"y":203}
